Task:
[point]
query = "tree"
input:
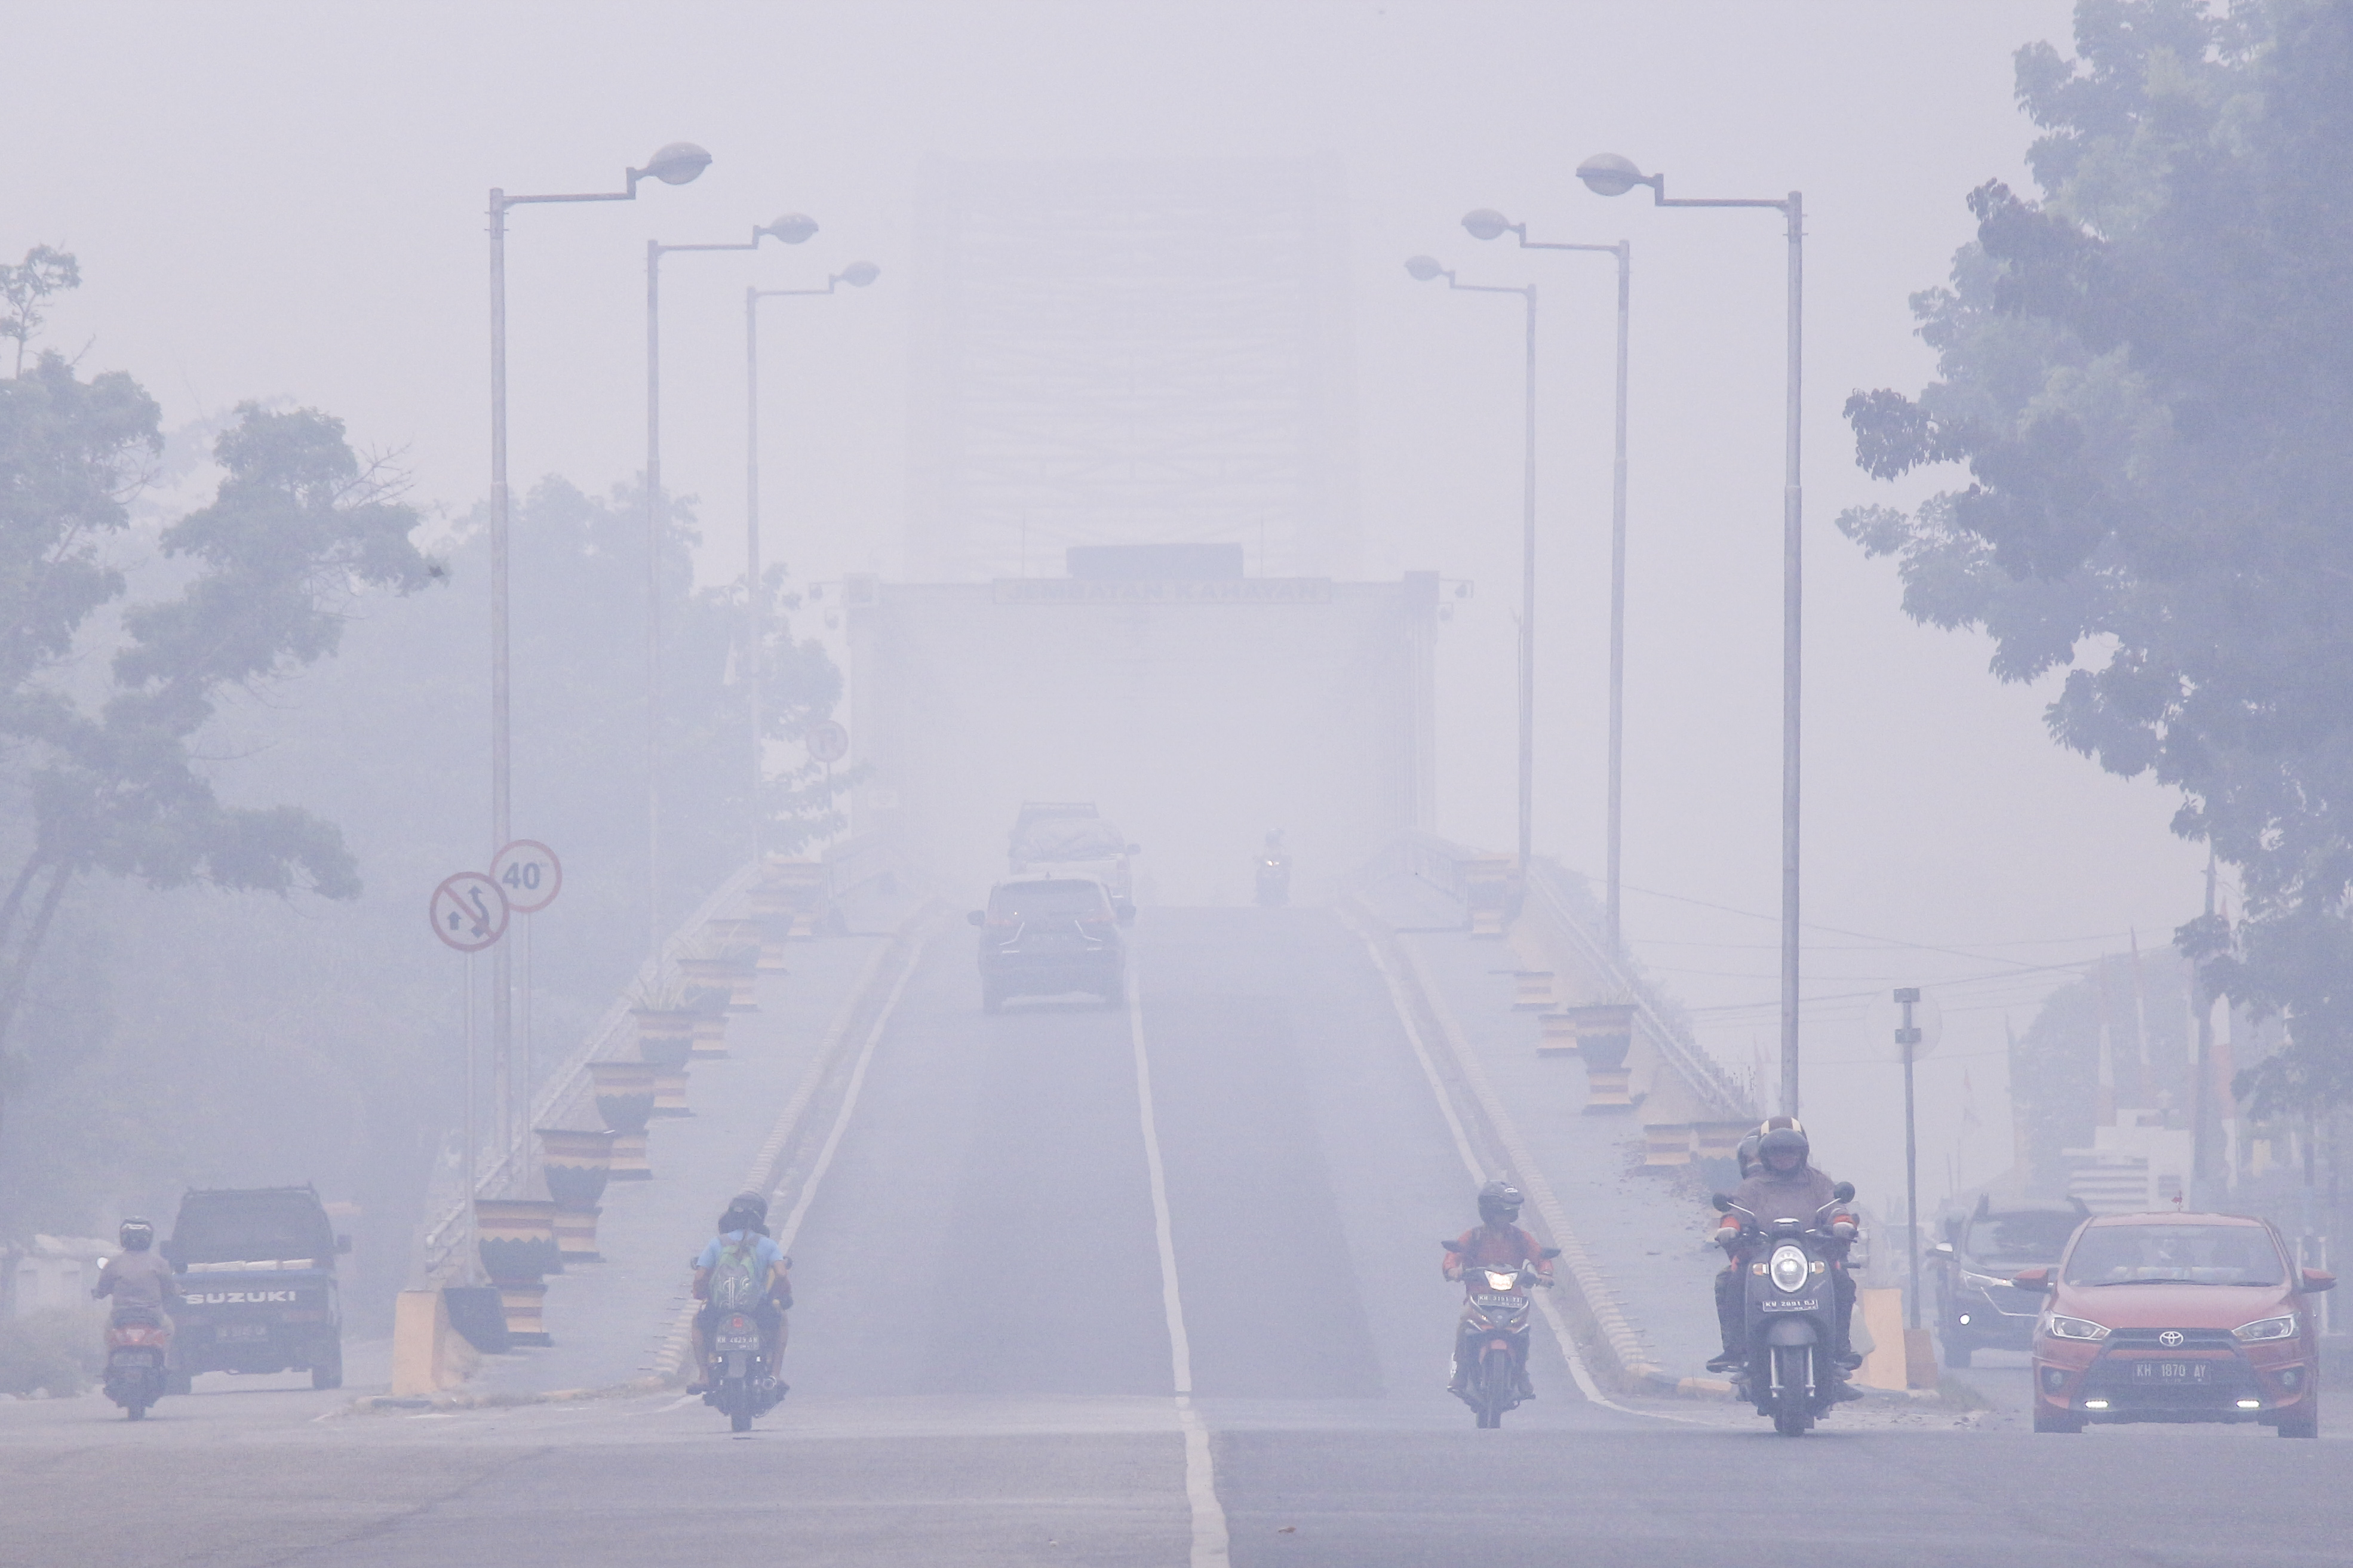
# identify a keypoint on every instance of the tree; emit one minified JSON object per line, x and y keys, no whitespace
{"x":2145,"y":374}
{"x":27,"y":286}
{"x":299,"y":527}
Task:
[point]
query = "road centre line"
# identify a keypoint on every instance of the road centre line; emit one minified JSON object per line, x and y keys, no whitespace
{"x":1209,"y":1518}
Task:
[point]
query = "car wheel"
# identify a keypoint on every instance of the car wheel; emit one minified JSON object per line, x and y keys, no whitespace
{"x":992,"y":998}
{"x":2047,"y":1420}
{"x":2303,"y":1421}
{"x":1956,"y":1353}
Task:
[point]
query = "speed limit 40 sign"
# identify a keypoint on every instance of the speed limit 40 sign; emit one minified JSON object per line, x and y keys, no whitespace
{"x":529,"y":874}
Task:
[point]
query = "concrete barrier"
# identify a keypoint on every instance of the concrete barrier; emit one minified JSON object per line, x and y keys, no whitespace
{"x":428,"y":1354}
{"x":1532,"y":990}
{"x":1667,"y":1143}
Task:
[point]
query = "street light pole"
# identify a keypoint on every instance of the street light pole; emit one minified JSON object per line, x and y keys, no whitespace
{"x":1488,"y":225}
{"x":792,"y":228}
{"x":1611,"y":176}
{"x":1908,"y":1038}
{"x":675,"y":165}
{"x":1424,"y":269}
{"x":858,"y":275}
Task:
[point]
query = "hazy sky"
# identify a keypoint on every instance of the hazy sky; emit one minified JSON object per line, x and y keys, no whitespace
{"x":286,"y":201}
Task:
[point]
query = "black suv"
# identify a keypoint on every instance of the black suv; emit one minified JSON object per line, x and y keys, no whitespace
{"x":257,"y":1270}
{"x":1976,"y":1305}
{"x":1042,"y":936}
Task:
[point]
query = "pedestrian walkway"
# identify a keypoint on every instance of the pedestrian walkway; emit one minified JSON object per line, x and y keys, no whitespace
{"x":608,"y":1318}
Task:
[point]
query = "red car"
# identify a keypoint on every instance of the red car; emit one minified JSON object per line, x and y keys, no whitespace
{"x":2177,"y":1317}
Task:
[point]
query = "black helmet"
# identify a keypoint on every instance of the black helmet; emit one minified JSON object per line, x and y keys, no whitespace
{"x":745,"y":1211}
{"x":136,"y":1235}
{"x":1746,"y":1153}
{"x":1498,"y":1203}
{"x":1783,"y":1140}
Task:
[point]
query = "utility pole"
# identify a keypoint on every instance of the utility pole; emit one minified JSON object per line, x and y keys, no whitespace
{"x":1908,"y":1038}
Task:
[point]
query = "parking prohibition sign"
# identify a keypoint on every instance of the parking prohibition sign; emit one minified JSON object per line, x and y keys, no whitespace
{"x":828,"y":742}
{"x":529,"y":874}
{"x":469,"y":913}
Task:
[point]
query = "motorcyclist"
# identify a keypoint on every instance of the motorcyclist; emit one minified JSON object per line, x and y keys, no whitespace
{"x":1784,"y":1183}
{"x":743,"y":1241}
{"x":136,"y":1277}
{"x":1498,"y":1242}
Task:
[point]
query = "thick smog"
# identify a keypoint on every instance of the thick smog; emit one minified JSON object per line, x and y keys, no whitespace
{"x":1347,"y":784}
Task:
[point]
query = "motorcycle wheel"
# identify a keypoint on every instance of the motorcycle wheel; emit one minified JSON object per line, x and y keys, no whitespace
{"x":1495,"y":1382}
{"x":136,"y":1411}
{"x":1791,"y":1417}
{"x":740,"y":1418}
{"x":329,"y":1373}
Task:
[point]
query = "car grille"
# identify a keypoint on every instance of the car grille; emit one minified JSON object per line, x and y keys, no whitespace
{"x":2190,"y":1340}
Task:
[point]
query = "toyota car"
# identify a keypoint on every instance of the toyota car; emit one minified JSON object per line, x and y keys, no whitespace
{"x":2177,"y":1317}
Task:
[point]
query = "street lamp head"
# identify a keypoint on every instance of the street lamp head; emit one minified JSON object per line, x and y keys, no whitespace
{"x":1422,"y":268}
{"x":859,"y":274}
{"x":1486,"y":224}
{"x":675,"y":164}
{"x":1607,"y":174}
{"x":792,"y":228}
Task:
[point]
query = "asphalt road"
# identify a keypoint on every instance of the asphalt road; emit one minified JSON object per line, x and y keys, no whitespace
{"x":983,"y":1370}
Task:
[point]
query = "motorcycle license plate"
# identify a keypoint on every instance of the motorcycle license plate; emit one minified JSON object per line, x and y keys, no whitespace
{"x":1775,"y":1304}
{"x":1489,"y":1300}
{"x":242,"y":1331}
{"x":2169,"y":1372}
{"x":135,"y":1358}
{"x":734,"y":1343}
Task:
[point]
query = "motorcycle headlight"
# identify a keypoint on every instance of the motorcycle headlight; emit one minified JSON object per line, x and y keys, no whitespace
{"x":1789,"y":1269}
{"x":2066,"y":1328}
{"x":1502,"y":1281}
{"x":2267,"y":1329}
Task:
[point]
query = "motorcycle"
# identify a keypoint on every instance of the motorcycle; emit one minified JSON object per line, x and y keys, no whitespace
{"x":1273,"y":882}
{"x":1493,"y":1333}
{"x":138,"y":1358}
{"x":1790,"y":1314}
{"x":742,"y":1384}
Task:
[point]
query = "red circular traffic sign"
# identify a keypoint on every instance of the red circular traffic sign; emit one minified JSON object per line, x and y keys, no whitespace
{"x":469,"y":913}
{"x":828,"y":742}
{"x":529,"y":874}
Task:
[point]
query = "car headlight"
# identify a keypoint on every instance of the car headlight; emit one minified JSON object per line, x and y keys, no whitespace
{"x":1789,"y":1269}
{"x":2068,"y":1327}
{"x":2266,"y":1329}
{"x":1982,"y":1281}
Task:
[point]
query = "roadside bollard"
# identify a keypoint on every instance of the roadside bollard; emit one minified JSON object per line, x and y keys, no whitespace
{"x":1667,"y":1143}
{"x":517,"y":1239}
{"x":577,"y":1161}
{"x":625,"y":1098}
{"x":666,"y":1041}
{"x":1605,"y":1035}
{"x":1531,"y":990}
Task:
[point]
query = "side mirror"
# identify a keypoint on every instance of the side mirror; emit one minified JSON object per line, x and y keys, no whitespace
{"x":1844,"y":1191}
{"x":1944,"y":1249}
{"x":170,"y":1251}
{"x":1125,"y":912}
{"x":976,"y":918}
{"x":342,"y":1244}
{"x":1451,"y":1246}
{"x":2316,"y":1280}
{"x":1550,"y":1252}
{"x":1722,"y":1203}
{"x":2037,"y":1280}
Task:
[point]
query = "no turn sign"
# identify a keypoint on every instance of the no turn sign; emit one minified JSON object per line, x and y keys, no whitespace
{"x":529,"y":874}
{"x":469,"y":913}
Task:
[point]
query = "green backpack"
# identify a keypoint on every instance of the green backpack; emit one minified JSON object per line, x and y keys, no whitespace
{"x":736,"y":1278}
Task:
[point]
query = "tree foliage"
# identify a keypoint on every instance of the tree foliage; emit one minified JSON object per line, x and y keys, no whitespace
{"x":2145,"y":371}
{"x":299,"y":527}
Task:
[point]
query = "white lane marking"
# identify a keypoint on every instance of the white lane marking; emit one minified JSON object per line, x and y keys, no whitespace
{"x":1200,"y":1473}
{"x":1569,"y":1350}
